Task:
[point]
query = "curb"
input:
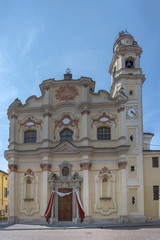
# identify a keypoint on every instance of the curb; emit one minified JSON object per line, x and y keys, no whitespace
{"x":24,"y":227}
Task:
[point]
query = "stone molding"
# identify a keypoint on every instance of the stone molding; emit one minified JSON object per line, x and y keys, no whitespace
{"x":85,"y":166}
{"x":13,"y":167}
{"x":105,"y":205}
{"x":29,"y":204}
{"x":122,"y":165}
{"x":68,"y":166}
{"x":45,"y":166}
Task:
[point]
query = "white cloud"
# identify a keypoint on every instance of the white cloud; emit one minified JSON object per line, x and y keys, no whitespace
{"x":29,"y":41}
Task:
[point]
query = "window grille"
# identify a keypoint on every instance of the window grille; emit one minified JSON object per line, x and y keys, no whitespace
{"x":104,"y":133}
{"x":66,"y":134}
{"x":30,"y":136}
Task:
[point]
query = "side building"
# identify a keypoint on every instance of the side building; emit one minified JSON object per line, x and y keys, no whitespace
{"x":3,"y":195}
{"x":74,"y":140}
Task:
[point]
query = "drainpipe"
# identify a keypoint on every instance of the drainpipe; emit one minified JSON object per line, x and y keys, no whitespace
{"x":2,"y":187}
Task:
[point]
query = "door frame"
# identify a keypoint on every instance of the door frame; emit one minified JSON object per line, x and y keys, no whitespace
{"x":65,"y":181}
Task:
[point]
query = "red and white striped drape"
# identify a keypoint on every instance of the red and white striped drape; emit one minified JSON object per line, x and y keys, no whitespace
{"x":79,"y":204}
{"x":80,"y":207}
{"x":49,"y":207}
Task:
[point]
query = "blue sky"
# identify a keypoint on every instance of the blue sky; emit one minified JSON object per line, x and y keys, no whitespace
{"x":39,"y":39}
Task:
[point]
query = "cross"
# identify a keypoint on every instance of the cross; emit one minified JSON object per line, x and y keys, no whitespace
{"x":68,"y":70}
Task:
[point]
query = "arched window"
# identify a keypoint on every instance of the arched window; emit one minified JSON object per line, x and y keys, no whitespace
{"x":130,"y":62}
{"x":30,"y":136}
{"x":104,"y":133}
{"x":66,"y":134}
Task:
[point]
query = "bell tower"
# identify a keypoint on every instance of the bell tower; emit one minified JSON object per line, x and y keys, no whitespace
{"x":127,"y":78}
{"x":125,"y":62}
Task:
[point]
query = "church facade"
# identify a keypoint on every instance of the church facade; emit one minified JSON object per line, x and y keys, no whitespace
{"x":72,"y":139}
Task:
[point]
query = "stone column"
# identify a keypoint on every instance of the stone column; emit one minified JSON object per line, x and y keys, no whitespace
{"x":12,"y":198}
{"x":45,"y":174}
{"x":46,"y":116}
{"x":86,"y":167}
{"x":123,"y":180}
{"x":85,"y":114}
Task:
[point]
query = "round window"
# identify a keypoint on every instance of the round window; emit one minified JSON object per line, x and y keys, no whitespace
{"x":65,"y":171}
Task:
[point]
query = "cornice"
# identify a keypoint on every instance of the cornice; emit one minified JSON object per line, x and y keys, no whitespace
{"x":147,"y":153}
{"x":112,"y":103}
{"x":50,"y":152}
{"x":51,"y":83}
{"x":126,"y":77}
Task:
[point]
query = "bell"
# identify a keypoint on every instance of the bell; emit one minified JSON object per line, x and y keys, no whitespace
{"x":129,"y":64}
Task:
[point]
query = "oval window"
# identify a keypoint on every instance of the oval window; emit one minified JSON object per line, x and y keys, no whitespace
{"x":65,"y":171}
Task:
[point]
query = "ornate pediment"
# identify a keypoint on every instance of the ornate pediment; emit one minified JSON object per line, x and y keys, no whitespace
{"x":30,"y":122}
{"x":66,"y":121}
{"x":66,"y":147}
{"x":103,"y":118}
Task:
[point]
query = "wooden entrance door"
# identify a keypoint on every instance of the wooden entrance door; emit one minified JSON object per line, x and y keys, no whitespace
{"x":65,"y":205}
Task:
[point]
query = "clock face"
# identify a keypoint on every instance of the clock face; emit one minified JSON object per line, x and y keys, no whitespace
{"x":131,"y":112}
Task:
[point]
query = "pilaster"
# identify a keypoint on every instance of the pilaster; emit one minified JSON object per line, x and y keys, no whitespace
{"x":47,"y":95}
{"x":12,"y":182}
{"x":85,"y":114}
{"x":47,"y":115}
{"x":46,"y":167}
{"x":123,"y":180}
{"x":85,"y":93}
{"x":13,"y":120}
{"x":86,"y":167}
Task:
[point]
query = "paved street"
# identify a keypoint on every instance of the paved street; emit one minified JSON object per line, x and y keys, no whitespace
{"x":128,"y":233}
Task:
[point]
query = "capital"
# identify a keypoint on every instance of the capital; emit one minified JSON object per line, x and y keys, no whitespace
{"x":13,"y":116}
{"x":122,"y":165}
{"x":13,"y":167}
{"x":45,"y":166}
{"x":85,"y":112}
{"x":85,"y":166}
{"x":47,"y":114}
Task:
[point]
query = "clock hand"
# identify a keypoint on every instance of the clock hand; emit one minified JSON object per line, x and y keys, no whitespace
{"x":133,"y":112}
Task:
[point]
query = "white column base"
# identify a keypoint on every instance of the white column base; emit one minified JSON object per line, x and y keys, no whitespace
{"x":12,"y":220}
